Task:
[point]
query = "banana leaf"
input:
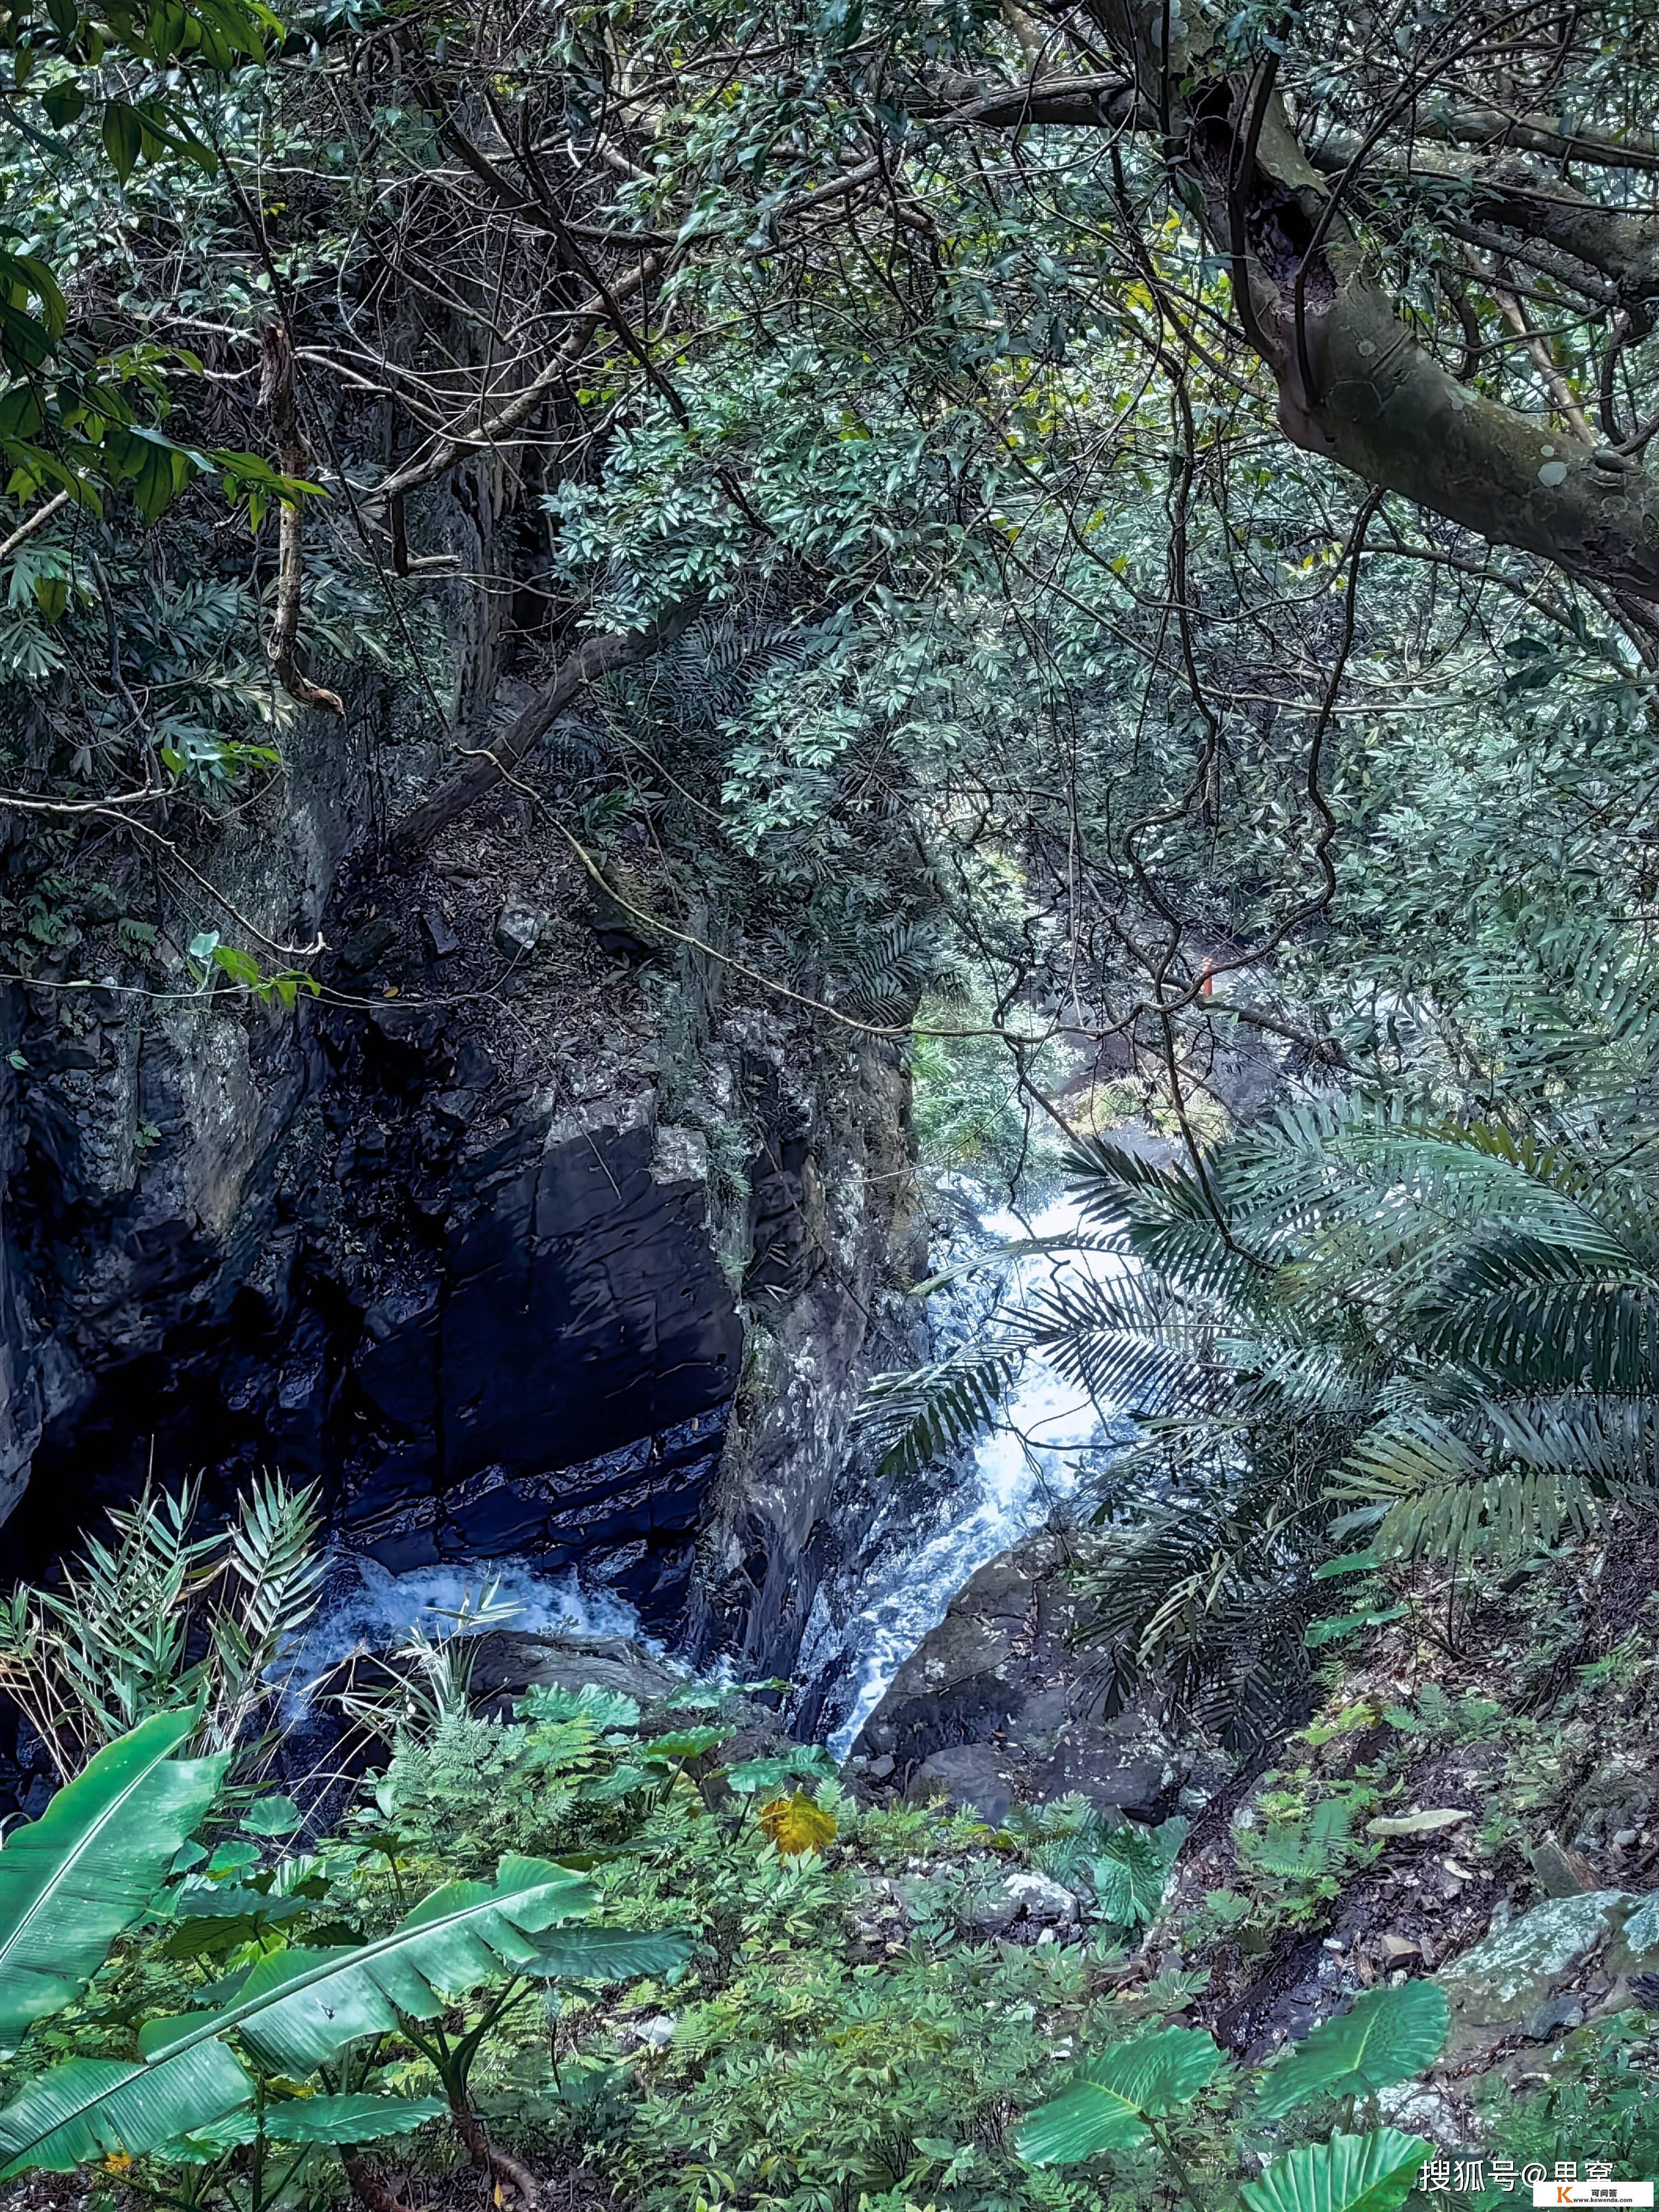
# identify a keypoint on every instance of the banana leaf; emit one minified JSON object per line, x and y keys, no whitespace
{"x":299,"y":2009}
{"x":92,"y":2108}
{"x":73,"y":1880}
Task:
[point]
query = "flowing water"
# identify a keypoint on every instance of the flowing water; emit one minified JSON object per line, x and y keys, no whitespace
{"x":1049,"y":1436}
{"x":366,"y":1608}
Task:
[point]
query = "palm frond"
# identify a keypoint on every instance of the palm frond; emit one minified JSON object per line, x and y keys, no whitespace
{"x":910,"y":1419}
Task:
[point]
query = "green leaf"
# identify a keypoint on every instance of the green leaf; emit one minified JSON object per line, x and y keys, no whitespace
{"x":1348,"y":1623}
{"x":91,"y":2108}
{"x":1350,"y":2173}
{"x":1107,"y":2105}
{"x":1386,"y":2036}
{"x":686,"y":1743}
{"x":63,"y":105}
{"x":606,"y":1709}
{"x":123,"y":137}
{"x":810,"y":1761}
{"x":299,"y":2007}
{"x":272,"y":1816}
{"x":73,"y":1880}
{"x":1131,"y":1871}
{"x":349,"y":2119}
{"x":608,"y":1954}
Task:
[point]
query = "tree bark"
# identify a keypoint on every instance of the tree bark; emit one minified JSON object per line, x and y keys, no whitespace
{"x":599,"y":656}
{"x":1354,"y":385}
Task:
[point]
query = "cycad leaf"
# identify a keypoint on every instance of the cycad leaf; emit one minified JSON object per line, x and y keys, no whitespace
{"x":1107,"y":2105}
{"x":91,"y":2108}
{"x":299,"y":2007}
{"x":1350,"y":2173}
{"x":349,"y":2119}
{"x":914,"y":1418}
{"x":73,"y":1880}
{"x":1386,"y":2036}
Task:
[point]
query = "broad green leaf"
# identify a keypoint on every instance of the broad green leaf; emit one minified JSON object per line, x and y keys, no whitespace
{"x":582,"y":1953}
{"x":349,"y":2119}
{"x":1107,"y":2105}
{"x":272,"y":1816}
{"x":1350,"y":2173}
{"x":1386,"y":2036}
{"x":685,"y":1743}
{"x":1131,"y":1871}
{"x":123,"y":137}
{"x":299,"y":2007}
{"x":90,"y":2108}
{"x":810,"y":1761}
{"x":73,"y":1880}
{"x":201,"y":1899}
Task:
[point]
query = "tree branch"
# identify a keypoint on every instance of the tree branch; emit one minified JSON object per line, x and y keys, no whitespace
{"x":599,"y":656}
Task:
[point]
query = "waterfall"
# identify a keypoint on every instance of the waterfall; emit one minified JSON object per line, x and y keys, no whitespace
{"x":1049,"y":1436}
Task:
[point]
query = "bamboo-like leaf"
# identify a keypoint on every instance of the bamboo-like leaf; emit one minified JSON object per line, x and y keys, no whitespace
{"x":73,"y":1880}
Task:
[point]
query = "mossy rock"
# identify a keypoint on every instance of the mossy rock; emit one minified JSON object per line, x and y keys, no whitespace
{"x":1567,"y":1961}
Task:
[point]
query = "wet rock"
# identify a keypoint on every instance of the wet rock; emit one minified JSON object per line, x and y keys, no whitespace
{"x":505,"y":1665}
{"x":995,"y":1708}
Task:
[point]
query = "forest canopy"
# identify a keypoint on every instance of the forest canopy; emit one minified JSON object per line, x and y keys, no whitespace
{"x":1032,"y":505}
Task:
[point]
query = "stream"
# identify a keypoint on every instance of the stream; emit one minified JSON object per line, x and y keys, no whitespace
{"x":1049,"y":1439}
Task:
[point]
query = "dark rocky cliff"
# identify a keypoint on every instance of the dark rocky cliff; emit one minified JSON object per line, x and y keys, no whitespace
{"x":518,"y":1239}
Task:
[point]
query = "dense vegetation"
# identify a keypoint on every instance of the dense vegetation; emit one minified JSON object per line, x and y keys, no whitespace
{"x":1106,"y":548}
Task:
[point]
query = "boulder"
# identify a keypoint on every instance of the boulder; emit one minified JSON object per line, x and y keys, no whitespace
{"x":505,"y":1665}
{"x":1567,"y":1961}
{"x":971,"y":1776}
{"x":995,"y":1706}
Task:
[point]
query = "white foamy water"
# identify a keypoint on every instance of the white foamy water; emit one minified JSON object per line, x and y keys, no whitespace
{"x":1031,"y":1461}
{"x":367,"y":1608}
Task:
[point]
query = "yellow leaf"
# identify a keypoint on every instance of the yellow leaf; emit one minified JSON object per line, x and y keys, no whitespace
{"x":796,"y":1825}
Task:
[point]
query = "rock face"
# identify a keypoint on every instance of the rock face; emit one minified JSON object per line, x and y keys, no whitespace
{"x":833,"y":1234}
{"x":511,"y":1254}
{"x":1566,"y":1962}
{"x":995,"y":1705}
